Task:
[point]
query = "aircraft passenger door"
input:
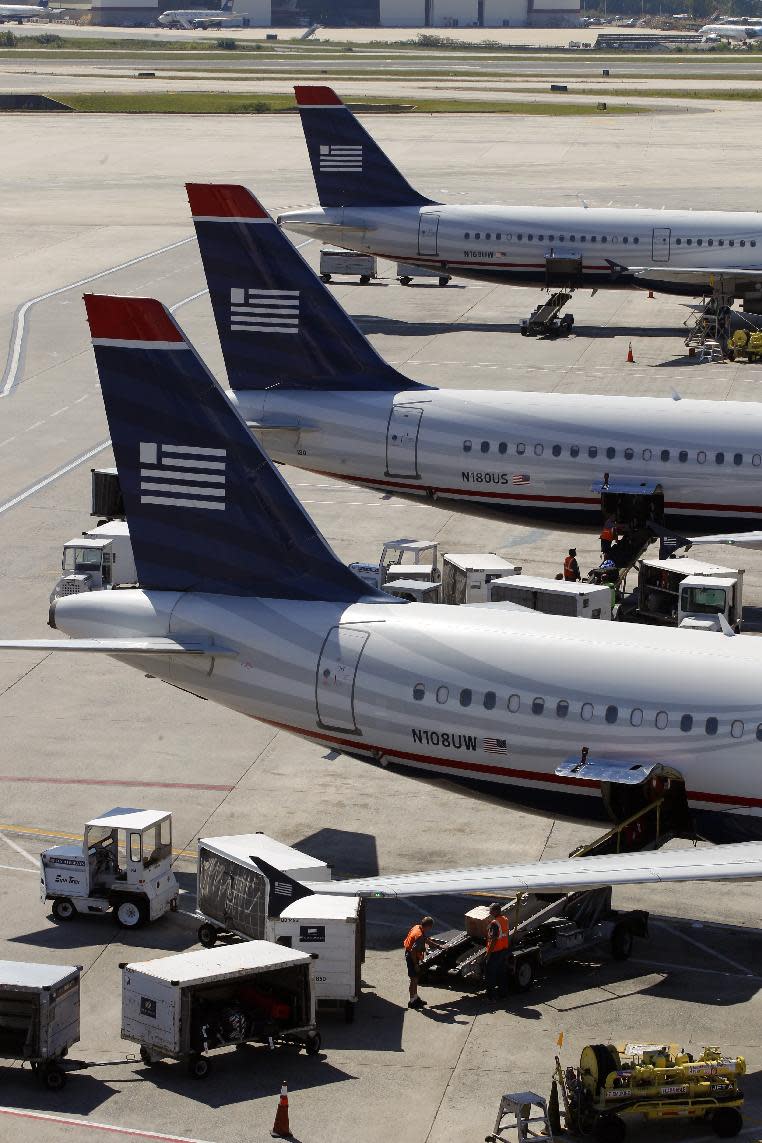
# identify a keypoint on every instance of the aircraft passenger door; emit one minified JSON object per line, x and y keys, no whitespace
{"x":428,"y":231}
{"x":402,"y":441}
{"x":660,"y":243}
{"x":336,"y":672}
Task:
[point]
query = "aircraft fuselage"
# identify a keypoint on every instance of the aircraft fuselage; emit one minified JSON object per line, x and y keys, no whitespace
{"x":492,"y":699}
{"x":608,"y":248}
{"x":537,"y":452}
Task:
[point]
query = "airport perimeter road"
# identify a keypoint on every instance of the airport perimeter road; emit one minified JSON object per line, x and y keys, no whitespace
{"x":81,"y":197}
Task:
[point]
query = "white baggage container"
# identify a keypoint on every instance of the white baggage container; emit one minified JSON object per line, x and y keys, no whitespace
{"x":554,"y":596}
{"x":39,"y":1016}
{"x":466,"y":577}
{"x":334,"y":260}
{"x":182,"y":1006}
{"x":234,"y":902}
{"x":331,"y":930}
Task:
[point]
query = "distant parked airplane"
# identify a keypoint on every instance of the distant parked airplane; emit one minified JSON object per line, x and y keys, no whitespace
{"x":367,"y":205}
{"x":194,"y":17}
{"x":18,"y":13}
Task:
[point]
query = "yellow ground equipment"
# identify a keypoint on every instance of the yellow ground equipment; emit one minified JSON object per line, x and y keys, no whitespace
{"x":654,"y":1081}
{"x":745,"y":344}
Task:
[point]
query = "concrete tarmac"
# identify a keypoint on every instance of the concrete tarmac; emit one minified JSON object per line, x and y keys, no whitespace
{"x":99,"y":201}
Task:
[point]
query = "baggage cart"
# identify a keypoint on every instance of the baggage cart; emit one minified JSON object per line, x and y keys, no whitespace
{"x":334,"y":260}
{"x":406,"y":271}
{"x":39,"y":1016}
{"x":234,"y":902}
{"x":254,"y":992}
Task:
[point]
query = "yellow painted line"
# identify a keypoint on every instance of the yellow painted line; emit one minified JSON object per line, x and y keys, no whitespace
{"x":36,"y":832}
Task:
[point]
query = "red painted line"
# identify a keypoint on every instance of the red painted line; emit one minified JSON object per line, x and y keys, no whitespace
{"x":67,"y":1121}
{"x":502,"y":771}
{"x":113,"y":782}
{"x":482,"y":493}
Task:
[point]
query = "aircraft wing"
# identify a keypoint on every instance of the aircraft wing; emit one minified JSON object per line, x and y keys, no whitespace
{"x":119,"y":646}
{"x":741,"y":862}
{"x":698,"y":274}
{"x":733,"y":539}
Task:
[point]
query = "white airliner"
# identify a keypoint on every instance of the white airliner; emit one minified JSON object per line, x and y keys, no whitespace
{"x":321,"y":398}
{"x":367,"y":205}
{"x":731,"y":31}
{"x":243,"y":603}
{"x":194,"y":17}
{"x":18,"y":13}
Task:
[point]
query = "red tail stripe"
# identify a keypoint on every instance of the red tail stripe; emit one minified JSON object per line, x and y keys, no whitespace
{"x":316,"y":96}
{"x":129,"y":319}
{"x":223,"y":200}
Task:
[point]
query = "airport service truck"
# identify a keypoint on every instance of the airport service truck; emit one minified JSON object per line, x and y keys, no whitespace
{"x":124,"y":863}
{"x":682,"y":592}
{"x":101,"y":557}
{"x":410,"y":569}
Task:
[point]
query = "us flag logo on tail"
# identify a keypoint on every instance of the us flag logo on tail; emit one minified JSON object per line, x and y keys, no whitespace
{"x":520,"y":478}
{"x":346,"y":159}
{"x":264,"y":311}
{"x":182,"y":476}
{"x":496,"y":745}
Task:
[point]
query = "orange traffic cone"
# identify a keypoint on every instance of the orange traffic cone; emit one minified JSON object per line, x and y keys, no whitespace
{"x":630,"y":357}
{"x":281,"y":1129}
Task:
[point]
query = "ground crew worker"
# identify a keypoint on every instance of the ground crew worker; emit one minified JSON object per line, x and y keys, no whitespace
{"x":607,"y":539}
{"x":496,"y":966}
{"x":415,"y":944}
{"x":571,"y":567}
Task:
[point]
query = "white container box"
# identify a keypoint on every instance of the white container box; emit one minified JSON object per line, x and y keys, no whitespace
{"x":181,"y":1006}
{"x":39,"y":1013}
{"x":334,"y":260}
{"x":331,"y":930}
{"x":466,"y":576}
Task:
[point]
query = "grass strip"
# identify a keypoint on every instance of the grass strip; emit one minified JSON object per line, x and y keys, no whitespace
{"x":237,"y":103}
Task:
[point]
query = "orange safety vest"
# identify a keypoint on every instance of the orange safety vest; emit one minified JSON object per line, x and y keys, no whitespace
{"x":569,"y":572}
{"x":413,"y":936}
{"x":606,"y":534}
{"x":501,"y":942}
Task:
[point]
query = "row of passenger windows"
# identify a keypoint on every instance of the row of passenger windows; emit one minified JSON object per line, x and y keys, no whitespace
{"x":531,"y":237}
{"x":604,"y":239}
{"x":586,"y":711}
{"x":665,"y":454}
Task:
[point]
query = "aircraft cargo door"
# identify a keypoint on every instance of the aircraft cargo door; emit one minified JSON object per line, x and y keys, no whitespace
{"x":335,"y":684}
{"x":402,"y":441}
{"x":660,"y":241}
{"x":428,"y":232}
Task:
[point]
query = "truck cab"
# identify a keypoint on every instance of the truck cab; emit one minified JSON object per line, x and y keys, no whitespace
{"x":99,"y":559}
{"x":124,"y":863}
{"x":402,"y":559}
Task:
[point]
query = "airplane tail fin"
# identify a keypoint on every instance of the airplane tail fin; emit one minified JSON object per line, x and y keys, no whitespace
{"x":350,"y":168}
{"x":283,"y":890}
{"x":206,"y":509}
{"x":279,"y":326}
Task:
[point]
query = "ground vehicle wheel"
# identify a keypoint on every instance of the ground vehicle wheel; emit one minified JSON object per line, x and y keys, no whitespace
{"x":621,"y":942}
{"x":145,"y":1056}
{"x":364,"y":279}
{"x":444,"y":280}
{"x":131,"y":914}
{"x":524,"y":331}
{"x":325,"y":277}
{"x":207,"y":935}
{"x":349,"y":1012}
{"x":63,"y":909}
{"x":199,"y":1067}
{"x":405,"y":280}
{"x":609,"y":1129}
{"x":53,"y":1078}
{"x":525,"y":974}
{"x":312,"y":1046}
{"x":726,"y":1122}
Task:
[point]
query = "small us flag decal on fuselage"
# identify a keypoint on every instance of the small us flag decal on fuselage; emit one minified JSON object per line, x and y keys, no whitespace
{"x":182,"y":476}
{"x":334,"y":157}
{"x":520,"y":478}
{"x":264,"y":311}
{"x":496,"y":745}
